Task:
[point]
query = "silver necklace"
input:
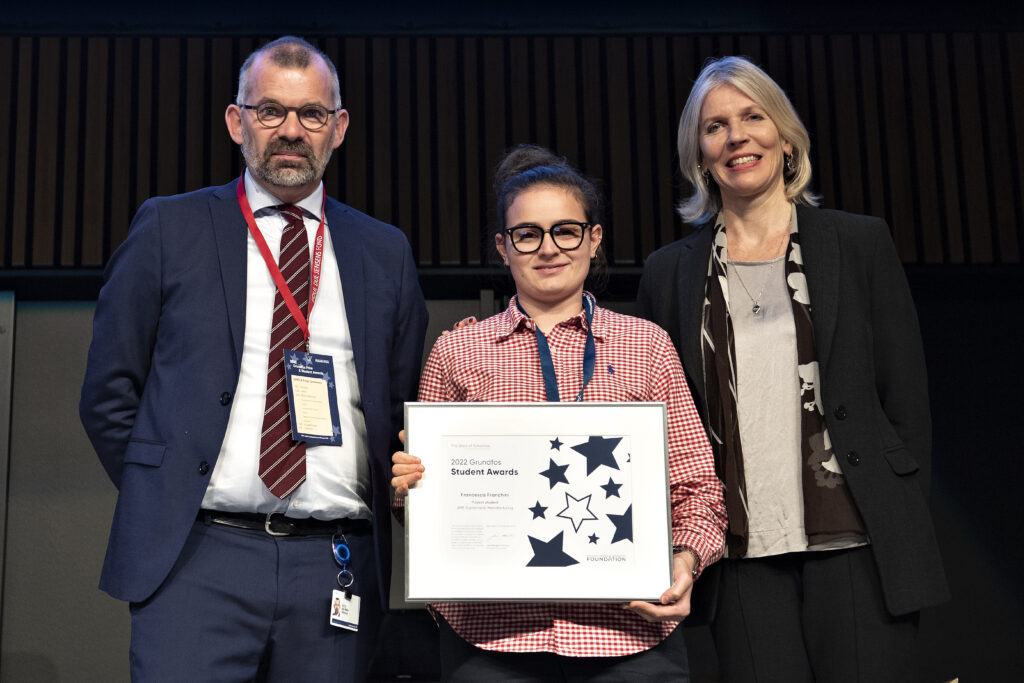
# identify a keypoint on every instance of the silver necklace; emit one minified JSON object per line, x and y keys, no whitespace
{"x":757,"y":299}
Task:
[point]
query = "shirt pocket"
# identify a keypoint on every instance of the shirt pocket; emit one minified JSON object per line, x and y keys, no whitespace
{"x":613,"y":388}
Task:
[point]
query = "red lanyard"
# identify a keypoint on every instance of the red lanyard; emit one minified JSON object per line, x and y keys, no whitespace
{"x":275,"y":272}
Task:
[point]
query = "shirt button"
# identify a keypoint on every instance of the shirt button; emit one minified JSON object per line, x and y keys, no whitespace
{"x":840,"y":412}
{"x":225,"y":398}
{"x":204,"y":467}
{"x":853,"y":458}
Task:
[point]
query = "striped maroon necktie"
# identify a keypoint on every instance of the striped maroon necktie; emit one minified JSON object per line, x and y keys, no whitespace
{"x":282,"y":460}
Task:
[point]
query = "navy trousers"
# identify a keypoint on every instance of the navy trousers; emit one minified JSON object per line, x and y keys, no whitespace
{"x":465,"y":663}
{"x":241,"y":605}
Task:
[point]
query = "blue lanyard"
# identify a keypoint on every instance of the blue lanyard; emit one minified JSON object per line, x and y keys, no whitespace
{"x":547,"y":364}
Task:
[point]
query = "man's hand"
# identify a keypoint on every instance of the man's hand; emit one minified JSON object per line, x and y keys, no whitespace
{"x":465,"y":322}
{"x":675,"y":602}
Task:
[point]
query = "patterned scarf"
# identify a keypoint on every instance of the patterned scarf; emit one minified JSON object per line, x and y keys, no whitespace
{"x":829,"y":511}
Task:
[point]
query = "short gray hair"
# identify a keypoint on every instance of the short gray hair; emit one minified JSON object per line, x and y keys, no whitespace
{"x":289,"y":52}
{"x":752,"y":81}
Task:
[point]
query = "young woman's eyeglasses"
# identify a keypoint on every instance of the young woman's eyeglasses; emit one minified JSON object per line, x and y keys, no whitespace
{"x":527,"y":238}
{"x":272,"y":114}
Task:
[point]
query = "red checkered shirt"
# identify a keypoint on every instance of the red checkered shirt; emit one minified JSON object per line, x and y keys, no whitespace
{"x":497,"y":360}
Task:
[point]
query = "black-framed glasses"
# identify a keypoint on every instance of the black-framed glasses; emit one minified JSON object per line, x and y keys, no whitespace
{"x":272,"y":114}
{"x":527,"y":238}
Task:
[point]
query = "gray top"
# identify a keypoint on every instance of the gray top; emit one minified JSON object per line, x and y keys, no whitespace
{"x":768,"y":408}
{"x":768,"y":405}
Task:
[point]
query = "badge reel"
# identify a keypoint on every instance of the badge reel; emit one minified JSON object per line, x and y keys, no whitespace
{"x":344,"y":611}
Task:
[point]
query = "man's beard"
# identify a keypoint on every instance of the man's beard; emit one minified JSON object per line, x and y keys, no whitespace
{"x":280,"y":173}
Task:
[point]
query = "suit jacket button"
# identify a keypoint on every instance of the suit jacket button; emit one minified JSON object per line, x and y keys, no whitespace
{"x":204,"y":467}
{"x":840,"y":412}
{"x":853,"y":458}
{"x":225,"y":398}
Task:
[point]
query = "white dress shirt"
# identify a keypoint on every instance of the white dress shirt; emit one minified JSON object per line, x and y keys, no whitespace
{"x":337,"y":477}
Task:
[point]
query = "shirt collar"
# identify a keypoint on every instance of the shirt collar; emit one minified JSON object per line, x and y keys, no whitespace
{"x":260,"y":199}
{"x":513,"y":320}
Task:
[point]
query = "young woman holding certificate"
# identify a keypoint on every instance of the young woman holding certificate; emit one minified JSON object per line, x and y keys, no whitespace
{"x":554,"y":343}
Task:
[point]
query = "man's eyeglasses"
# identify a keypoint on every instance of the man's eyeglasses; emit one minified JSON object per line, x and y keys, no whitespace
{"x":527,"y":238}
{"x":272,"y":114}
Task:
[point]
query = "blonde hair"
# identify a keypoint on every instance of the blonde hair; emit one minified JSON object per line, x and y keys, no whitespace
{"x":739,"y":72}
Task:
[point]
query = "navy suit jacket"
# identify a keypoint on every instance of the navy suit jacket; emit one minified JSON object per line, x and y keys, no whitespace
{"x":165,"y":359}
{"x":873,"y":382}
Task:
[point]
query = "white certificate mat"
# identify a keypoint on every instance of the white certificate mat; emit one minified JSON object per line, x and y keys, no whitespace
{"x":538,"y":501}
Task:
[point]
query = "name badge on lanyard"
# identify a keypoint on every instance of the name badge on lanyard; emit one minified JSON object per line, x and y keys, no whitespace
{"x":312,"y":392}
{"x":312,"y":398}
{"x":547,"y":364}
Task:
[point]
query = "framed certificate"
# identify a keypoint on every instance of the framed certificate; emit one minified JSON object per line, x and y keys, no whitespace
{"x":538,"y":502}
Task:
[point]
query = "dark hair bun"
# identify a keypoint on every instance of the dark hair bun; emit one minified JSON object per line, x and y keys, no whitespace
{"x":521,"y":159}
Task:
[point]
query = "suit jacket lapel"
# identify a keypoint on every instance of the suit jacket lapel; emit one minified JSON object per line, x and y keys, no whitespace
{"x":691,"y":280}
{"x":819,"y":243}
{"x":231,"y":236}
{"x":348,"y":252}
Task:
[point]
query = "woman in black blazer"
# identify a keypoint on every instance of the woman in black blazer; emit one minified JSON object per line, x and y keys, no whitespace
{"x":800,"y":342}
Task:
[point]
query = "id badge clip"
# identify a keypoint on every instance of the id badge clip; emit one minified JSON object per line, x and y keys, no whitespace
{"x":344,"y":604}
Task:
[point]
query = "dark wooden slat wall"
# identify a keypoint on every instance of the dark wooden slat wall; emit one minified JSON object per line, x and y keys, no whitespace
{"x":924,"y":129}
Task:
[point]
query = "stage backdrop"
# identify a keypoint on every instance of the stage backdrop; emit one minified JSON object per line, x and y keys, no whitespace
{"x":924,"y":129}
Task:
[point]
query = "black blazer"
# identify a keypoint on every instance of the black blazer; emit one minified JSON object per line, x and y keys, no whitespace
{"x":873,"y":382}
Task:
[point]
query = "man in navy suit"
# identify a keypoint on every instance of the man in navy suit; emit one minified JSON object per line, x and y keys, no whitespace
{"x":232,"y":571}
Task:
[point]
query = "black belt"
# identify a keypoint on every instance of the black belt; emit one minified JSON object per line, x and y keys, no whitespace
{"x":276,"y":524}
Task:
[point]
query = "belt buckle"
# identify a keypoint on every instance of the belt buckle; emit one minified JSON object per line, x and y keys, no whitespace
{"x":266,"y":527}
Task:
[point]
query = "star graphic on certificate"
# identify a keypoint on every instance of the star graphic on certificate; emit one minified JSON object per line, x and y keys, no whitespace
{"x":611,"y":489}
{"x":549,"y":553}
{"x":576,"y":510}
{"x":593,"y":538}
{"x":538,"y":510}
{"x":556,"y":445}
{"x":555,"y":474}
{"x":623,"y":525}
{"x":598,"y":451}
